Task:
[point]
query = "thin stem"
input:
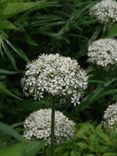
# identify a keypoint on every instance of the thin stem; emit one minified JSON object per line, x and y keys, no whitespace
{"x":53,"y":130}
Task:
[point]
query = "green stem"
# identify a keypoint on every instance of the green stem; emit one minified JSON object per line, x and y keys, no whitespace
{"x":106,"y":29}
{"x":53,"y":130}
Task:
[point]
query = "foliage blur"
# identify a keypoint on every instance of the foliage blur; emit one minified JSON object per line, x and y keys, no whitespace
{"x":29,"y":28}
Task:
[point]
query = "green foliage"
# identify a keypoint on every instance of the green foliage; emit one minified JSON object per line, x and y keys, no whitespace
{"x":8,"y":130}
{"x":91,"y":141}
{"x":13,"y":150}
{"x":5,"y":91}
{"x":9,"y":9}
{"x":29,"y":28}
{"x":113,"y":31}
{"x":5,"y":24}
{"x":33,"y":148}
{"x":23,"y":149}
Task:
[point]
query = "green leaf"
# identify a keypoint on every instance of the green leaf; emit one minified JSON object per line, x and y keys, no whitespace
{"x":8,"y":53}
{"x":108,"y":92}
{"x":33,"y":148}
{"x":5,"y":24}
{"x":104,"y":136}
{"x":109,"y":154}
{"x":10,"y":131}
{"x":32,"y":105}
{"x":82,"y":145}
{"x":74,"y":153}
{"x":23,"y":149}
{"x":15,"y":150}
{"x":89,"y":155}
{"x":113,"y":31}
{"x":6,"y":46}
{"x":74,"y":16}
{"x":96,"y":81}
{"x":96,"y":95}
{"x":10,"y":9}
{"x":85,"y":128}
{"x":29,"y":40}
{"x":4,"y":90}
{"x":65,"y":154}
{"x":4,"y":71}
{"x":18,"y":51}
{"x":94,"y":36}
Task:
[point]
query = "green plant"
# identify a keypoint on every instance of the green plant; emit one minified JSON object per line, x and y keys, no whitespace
{"x":29,"y":28}
{"x":90,"y":140}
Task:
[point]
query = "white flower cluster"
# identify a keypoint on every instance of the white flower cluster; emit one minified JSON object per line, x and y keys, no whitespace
{"x":103,"y":52}
{"x":56,"y":75}
{"x":38,"y":125}
{"x":105,"y":11}
{"x":110,"y":116}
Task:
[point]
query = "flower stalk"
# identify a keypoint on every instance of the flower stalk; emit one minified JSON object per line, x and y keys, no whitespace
{"x":53,"y":130}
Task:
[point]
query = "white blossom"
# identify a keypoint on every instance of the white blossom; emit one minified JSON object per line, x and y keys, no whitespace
{"x":110,"y":116}
{"x":103,"y":52}
{"x":38,"y":125}
{"x":56,"y":75}
{"x":105,"y":11}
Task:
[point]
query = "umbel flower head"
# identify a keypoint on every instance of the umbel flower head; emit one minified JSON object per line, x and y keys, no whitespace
{"x":55,"y":75}
{"x":38,"y":125}
{"x":103,"y":52}
{"x":110,"y":116}
{"x":105,"y":11}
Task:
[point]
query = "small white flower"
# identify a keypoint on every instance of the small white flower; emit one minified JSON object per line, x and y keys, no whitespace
{"x":110,"y":116}
{"x":103,"y":52}
{"x":56,"y":75}
{"x":105,"y":11}
{"x":38,"y":125}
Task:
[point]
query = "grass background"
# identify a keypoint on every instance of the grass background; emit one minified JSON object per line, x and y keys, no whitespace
{"x":30,"y":28}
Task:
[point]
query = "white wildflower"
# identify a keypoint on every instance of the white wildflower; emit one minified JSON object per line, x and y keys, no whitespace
{"x":56,"y":75}
{"x":103,"y":52}
{"x":38,"y":125}
{"x":105,"y":11}
{"x":110,"y":116}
